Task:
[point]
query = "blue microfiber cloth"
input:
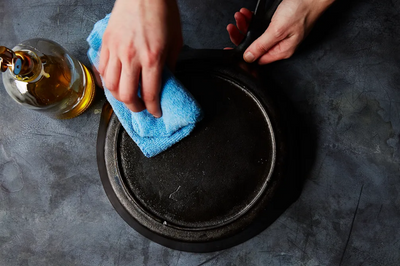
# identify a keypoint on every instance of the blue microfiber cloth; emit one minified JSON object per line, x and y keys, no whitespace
{"x":153,"y":135}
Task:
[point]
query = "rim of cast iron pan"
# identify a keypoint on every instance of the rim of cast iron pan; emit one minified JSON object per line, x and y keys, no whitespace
{"x":236,"y":231}
{"x":231,"y":234}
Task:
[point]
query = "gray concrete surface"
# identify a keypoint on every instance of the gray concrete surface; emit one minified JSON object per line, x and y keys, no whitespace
{"x":344,"y":80}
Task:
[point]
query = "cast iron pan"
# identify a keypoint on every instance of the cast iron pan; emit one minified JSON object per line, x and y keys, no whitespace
{"x":208,"y":191}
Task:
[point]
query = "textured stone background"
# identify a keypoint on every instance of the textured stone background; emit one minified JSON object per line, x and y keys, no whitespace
{"x":344,"y":80}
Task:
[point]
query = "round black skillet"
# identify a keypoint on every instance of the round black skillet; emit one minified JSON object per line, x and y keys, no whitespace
{"x":211,"y":190}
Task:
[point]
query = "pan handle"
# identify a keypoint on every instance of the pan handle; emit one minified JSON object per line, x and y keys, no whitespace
{"x":265,"y":9}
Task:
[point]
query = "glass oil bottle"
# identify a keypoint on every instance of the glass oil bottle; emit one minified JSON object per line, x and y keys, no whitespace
{"x":43,"y":76}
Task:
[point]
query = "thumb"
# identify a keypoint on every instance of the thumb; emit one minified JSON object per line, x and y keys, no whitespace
{"x":261,"y":46}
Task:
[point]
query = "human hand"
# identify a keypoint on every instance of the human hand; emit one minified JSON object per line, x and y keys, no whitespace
{"x":141,"y":36}
{"x":290,"y":24}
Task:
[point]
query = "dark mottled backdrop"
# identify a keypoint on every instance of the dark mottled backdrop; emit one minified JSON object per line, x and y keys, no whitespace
{"x":344,"y":81}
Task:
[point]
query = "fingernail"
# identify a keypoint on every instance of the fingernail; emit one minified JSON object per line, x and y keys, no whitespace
{"x":248,"y":57}
{"x":157,"y":115}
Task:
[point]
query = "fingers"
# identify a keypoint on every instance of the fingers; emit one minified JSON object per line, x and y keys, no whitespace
{"x":264,"y":43}
{"x":151,"y":87}
{"x":234,"y":34}
{"x":247,"y":13}
{"x":121,"y":79}
{"x":243,"y":19}
{"x":128,"y":88}
{"x":241,"y":22}
{"x":112,"y":73}
{"x":123,"y":82}
{"x":238,"y":32}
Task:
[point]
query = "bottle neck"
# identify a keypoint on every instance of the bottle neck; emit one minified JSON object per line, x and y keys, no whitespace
{"x":24,"y":65}
{"x":30,"y":66}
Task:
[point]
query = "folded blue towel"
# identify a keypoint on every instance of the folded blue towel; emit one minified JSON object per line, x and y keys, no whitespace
{"x":153,"y":135}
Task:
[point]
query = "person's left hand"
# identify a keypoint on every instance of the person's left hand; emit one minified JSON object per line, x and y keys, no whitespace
{"x":290,"y":24}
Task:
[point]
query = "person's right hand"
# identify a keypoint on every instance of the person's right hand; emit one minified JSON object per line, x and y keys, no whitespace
{"x":141,"y":36}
